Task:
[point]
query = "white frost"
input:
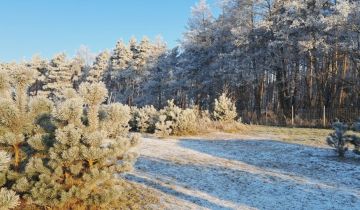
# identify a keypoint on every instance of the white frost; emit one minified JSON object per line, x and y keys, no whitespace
{"x":247,"y":173}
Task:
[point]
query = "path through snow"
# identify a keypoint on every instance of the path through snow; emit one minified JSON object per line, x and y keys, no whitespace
{"x":246,"y":173}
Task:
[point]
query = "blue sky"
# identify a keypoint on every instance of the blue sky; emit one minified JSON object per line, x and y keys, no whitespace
{"x":46,"y":27}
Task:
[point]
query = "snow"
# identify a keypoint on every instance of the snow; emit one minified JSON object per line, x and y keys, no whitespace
{"x":246,"y":173}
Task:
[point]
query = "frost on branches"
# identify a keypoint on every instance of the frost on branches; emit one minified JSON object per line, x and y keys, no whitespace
{"x":163,"y":127}
{"x":341,"y":140}
{"x":8,"y":198}
{"x":99,"y":67}
{"x":176,"y":121}
{"x":144,"y":119}
{"x":63,"y":155}
{"x":338,"y":139}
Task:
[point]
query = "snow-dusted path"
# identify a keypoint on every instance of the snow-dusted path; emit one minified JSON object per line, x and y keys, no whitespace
{"x":246,"y":173}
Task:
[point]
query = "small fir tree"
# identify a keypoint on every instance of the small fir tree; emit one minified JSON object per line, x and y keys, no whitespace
{"x":61,"y":157}
{"x":338,"y":139}
{"x":116,"y":119}
{"x":17,"y":125}
{"x":84,"y":158}
{"x":172,"y":113}
{"x":225,"y":109}
{"x":188,"y":122}
{"x":180,"y":121}
{"x":144,"y":119}
{"x":163,"y":127}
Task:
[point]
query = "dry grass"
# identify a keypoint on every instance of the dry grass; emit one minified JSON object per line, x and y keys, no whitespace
{"x":227,"y":127}
{"x":138,"y":197}
{"x":135,"y":197}
{"x":307,"y":136}
{"x":215,"y":126}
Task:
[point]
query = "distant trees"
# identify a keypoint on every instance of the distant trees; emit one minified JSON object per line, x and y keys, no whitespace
{"x":56,"y":75}
{"x":129,"y":69}
{"x":273,"y":54}
{"x":198,"y":55}
{"x":268,"y":54}
{"x":99,"y":67}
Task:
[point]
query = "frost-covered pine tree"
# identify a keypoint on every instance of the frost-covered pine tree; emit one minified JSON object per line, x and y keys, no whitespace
{"x":142,"y":54}
{"x":116,"y":119}
{"x":116,"y":77}
{"x":76,"y":69}
{"x":198,"y":55}
{"x":84,"y":158}
{"x":163,"y":127}
{"x":17,"y":126}
{"x":199,"y":25}
{"x":99,"y":67}
{"x":121,"y":57}
{"x":59,"y":77}
{"x":133,"y":46}
{"x":144,"y":119}
{"x":5,"y":87}
{"x":172,"y":113}
{"x":188,"y":122}
{"x":8,"y":198}
{"x":179,"y":121}
{"x":225,"y":109}
{"x":64,"y":157}
{"x":40,"y":65}
{"x":158,"y":48}
{"x":161,"y":81}
{"x":339,"y":139}
{"x":355,"y":139}
{"x":16,"y":117}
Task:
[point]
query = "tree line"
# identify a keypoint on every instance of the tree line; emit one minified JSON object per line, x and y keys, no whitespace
{"x":262,"y":53}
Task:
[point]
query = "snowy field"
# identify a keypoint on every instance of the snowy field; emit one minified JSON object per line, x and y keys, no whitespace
{"x":242,"y":172}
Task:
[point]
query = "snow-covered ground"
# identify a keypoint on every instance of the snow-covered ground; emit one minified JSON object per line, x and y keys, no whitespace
{"x":240,"y":172}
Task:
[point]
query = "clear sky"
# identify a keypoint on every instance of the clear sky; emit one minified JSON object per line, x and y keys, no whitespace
{"x":46,"y":27}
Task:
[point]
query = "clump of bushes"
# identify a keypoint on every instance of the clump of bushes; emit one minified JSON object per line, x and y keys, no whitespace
{"x":144,"y":119}
{"x":163,"y":127}
{"x":180,"y":121}
{"x":172,"y":120}
{"x":62,"y":156}
{"x":340,"y":140}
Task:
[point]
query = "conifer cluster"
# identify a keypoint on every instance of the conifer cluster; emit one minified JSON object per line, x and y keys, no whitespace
{"x":65,"y":154}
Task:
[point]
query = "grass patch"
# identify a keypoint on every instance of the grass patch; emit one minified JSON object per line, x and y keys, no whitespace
{"x":138,"y":197}
{"x":135,"y":197}
{"x":307,"y":136}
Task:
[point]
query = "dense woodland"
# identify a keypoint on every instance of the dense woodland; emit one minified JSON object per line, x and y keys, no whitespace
{"x":262,"y":53}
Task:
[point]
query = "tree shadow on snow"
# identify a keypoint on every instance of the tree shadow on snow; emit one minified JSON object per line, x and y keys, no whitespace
{"x":170,"y":191}
{"x":319,"y":164}
{"x":238,"y":187}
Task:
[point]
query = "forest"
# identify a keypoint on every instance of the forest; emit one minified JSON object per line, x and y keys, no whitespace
{"x":143,"y":120}
{"x":264,"y":54}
